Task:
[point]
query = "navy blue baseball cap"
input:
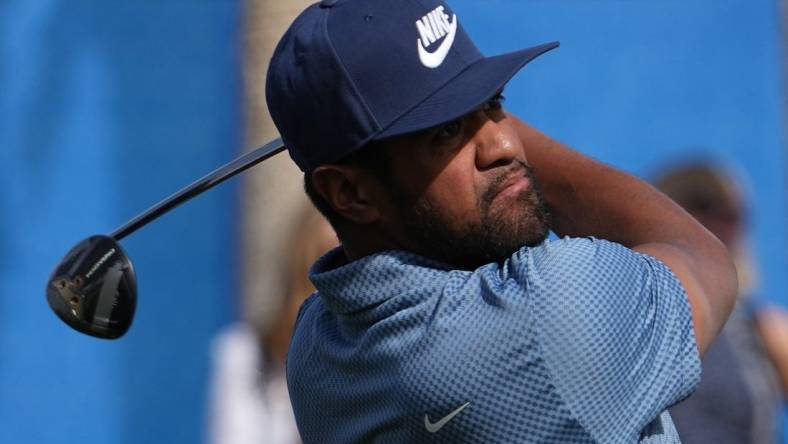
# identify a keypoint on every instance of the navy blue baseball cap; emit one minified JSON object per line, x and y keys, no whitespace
{"x":349,"y":72}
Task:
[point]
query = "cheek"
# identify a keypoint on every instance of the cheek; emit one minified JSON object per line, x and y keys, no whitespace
{"x":454,"y":192}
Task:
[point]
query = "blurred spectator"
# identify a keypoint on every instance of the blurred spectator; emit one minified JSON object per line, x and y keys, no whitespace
{"x":744,"y":372}
{"x":249,"y":400}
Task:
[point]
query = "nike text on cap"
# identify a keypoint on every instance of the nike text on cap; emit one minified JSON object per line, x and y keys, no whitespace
{"x":348,"y":72}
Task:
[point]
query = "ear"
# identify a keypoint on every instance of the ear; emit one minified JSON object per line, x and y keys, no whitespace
{"x":349,"y":192}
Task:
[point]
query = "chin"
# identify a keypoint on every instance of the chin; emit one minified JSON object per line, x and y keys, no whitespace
{"x":494,"y":237}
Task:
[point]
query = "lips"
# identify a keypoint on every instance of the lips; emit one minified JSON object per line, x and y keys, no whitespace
{"x":511,"y":184}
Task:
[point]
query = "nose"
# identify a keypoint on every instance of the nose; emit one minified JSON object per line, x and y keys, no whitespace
{"x":495,"y":144}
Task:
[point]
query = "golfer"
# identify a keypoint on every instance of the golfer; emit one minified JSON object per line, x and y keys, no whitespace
{"x":446,"y":315}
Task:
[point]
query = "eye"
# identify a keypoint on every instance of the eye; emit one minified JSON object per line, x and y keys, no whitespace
{"x":449,"y":130}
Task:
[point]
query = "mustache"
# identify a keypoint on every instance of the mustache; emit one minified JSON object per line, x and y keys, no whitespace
{"x":496,"y":184}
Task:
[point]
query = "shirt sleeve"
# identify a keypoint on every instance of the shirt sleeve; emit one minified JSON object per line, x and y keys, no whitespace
{"x":616,"y":331}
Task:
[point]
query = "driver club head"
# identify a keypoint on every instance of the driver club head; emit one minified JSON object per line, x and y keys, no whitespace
{"x":94,"y":289}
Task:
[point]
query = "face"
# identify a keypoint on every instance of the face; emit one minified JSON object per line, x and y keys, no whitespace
{"x":463,"y":193}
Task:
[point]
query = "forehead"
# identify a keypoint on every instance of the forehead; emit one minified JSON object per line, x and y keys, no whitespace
{"x":420,"y":142}
{"x":409,"y":149}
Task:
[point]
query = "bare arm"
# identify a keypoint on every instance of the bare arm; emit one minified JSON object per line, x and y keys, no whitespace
{"x":772,"y":325}
{"x":588,"y":198}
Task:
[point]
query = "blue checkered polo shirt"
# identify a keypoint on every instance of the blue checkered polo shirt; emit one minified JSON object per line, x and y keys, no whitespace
{"x":577,"y":340}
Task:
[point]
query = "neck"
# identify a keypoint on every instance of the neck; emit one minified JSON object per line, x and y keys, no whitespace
{"x":359,"y":242}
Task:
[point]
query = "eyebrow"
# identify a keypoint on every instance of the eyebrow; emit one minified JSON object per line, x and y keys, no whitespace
{"x":427,"y":131}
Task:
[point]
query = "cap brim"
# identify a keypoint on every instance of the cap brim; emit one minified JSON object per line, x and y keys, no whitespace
{"x":465,"y":92}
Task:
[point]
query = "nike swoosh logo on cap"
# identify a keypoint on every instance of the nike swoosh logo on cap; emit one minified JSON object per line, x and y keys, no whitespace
{"x":434,"y":427}
{"x":435,"y":59}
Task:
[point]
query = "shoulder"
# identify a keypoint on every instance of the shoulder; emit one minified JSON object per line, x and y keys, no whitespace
{"x":590,"y":275}
{"x":584,"y":262}
{"x":568,"y":251}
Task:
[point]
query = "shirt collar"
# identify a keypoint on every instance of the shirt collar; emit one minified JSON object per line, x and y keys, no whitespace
{"x":348,"y":287}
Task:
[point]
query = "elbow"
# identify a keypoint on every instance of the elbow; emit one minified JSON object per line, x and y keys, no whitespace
{"x":719,"y":285}
{"x":724,"y":281}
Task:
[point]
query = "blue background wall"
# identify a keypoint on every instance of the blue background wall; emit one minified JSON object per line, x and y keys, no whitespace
{"x":107,"y":107}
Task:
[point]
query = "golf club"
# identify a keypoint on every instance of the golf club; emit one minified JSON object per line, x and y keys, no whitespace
{"x":93,"y":288}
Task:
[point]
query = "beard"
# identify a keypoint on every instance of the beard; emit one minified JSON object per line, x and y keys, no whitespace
{"x":495,"y":236}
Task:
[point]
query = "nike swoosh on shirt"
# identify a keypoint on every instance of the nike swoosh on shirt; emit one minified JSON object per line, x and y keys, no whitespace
{"x":435,"y":59}
{"x":434,"y":427}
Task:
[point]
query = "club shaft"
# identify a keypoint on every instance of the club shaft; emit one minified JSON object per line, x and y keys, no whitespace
{"x":205,"y":183}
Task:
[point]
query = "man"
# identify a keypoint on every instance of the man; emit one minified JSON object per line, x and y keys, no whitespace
{"x":446,"y":316}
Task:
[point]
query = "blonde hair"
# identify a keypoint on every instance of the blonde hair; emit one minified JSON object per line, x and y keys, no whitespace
{"x":310,"y":238}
